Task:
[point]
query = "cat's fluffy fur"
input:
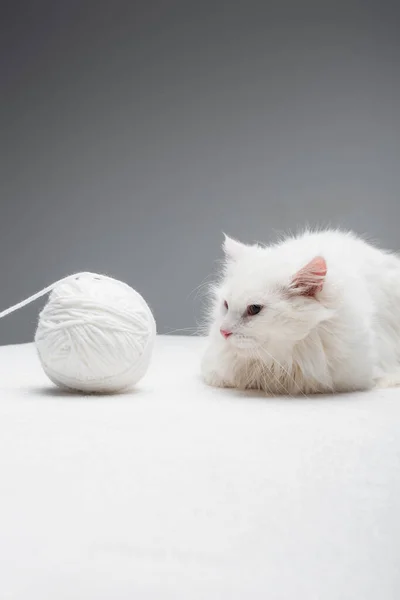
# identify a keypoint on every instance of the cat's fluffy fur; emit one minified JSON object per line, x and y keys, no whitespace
{"x":330,"y":320}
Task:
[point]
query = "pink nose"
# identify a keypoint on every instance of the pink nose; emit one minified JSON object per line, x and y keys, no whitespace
{"x":225,"y":333}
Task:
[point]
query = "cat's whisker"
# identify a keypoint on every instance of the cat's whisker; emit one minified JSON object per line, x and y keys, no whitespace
{"x":286,"y":391}
{"x":185,"y":330}
{"x":206,"y":283}
{"x":287,"y":373}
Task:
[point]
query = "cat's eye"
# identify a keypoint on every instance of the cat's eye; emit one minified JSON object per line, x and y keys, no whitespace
{"x":225,"y":305}
{"x":253,"y":309}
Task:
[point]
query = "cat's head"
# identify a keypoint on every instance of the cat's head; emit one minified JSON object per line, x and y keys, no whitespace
{"x":268,"y":296}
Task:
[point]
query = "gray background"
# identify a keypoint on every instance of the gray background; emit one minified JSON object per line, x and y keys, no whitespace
{"x":133,"y":133}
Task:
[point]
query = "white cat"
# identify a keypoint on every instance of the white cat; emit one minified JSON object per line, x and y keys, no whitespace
{"x":316,"y":313}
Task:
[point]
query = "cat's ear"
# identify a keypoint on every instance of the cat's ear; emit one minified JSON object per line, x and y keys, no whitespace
{"x":311,"y":278}
{"x":233,"y":249}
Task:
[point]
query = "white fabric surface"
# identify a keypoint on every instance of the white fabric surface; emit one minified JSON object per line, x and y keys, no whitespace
{"x":179,"y":491}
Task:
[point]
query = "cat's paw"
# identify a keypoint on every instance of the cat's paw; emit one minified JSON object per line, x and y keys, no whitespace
{"x":215,"y":366}
{"x":213,"y":379}
{"x":388,"y":381}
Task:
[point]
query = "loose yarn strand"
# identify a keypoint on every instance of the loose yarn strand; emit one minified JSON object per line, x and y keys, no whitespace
{"x":44,"y":291}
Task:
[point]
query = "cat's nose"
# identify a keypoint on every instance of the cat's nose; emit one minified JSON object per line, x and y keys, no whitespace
{"x":225,"y":333}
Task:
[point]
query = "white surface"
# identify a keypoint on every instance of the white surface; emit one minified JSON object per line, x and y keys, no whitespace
{"x":178,"y":491}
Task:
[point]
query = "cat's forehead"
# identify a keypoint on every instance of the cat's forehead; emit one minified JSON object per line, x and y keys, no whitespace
{"x":253,"y":281}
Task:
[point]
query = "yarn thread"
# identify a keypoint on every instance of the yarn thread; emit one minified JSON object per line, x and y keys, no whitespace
{"x":95,"y":334}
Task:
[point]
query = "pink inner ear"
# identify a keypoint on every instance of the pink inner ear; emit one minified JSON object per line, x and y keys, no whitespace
{"x":310,"y":279}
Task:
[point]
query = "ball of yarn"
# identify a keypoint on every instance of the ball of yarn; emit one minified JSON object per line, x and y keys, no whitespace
{"x":95,"y":334}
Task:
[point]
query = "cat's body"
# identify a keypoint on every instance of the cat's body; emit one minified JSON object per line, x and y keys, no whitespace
{"x":313,"y":314}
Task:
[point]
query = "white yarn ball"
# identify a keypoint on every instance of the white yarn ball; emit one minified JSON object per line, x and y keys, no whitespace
{"x":95,"y":334}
